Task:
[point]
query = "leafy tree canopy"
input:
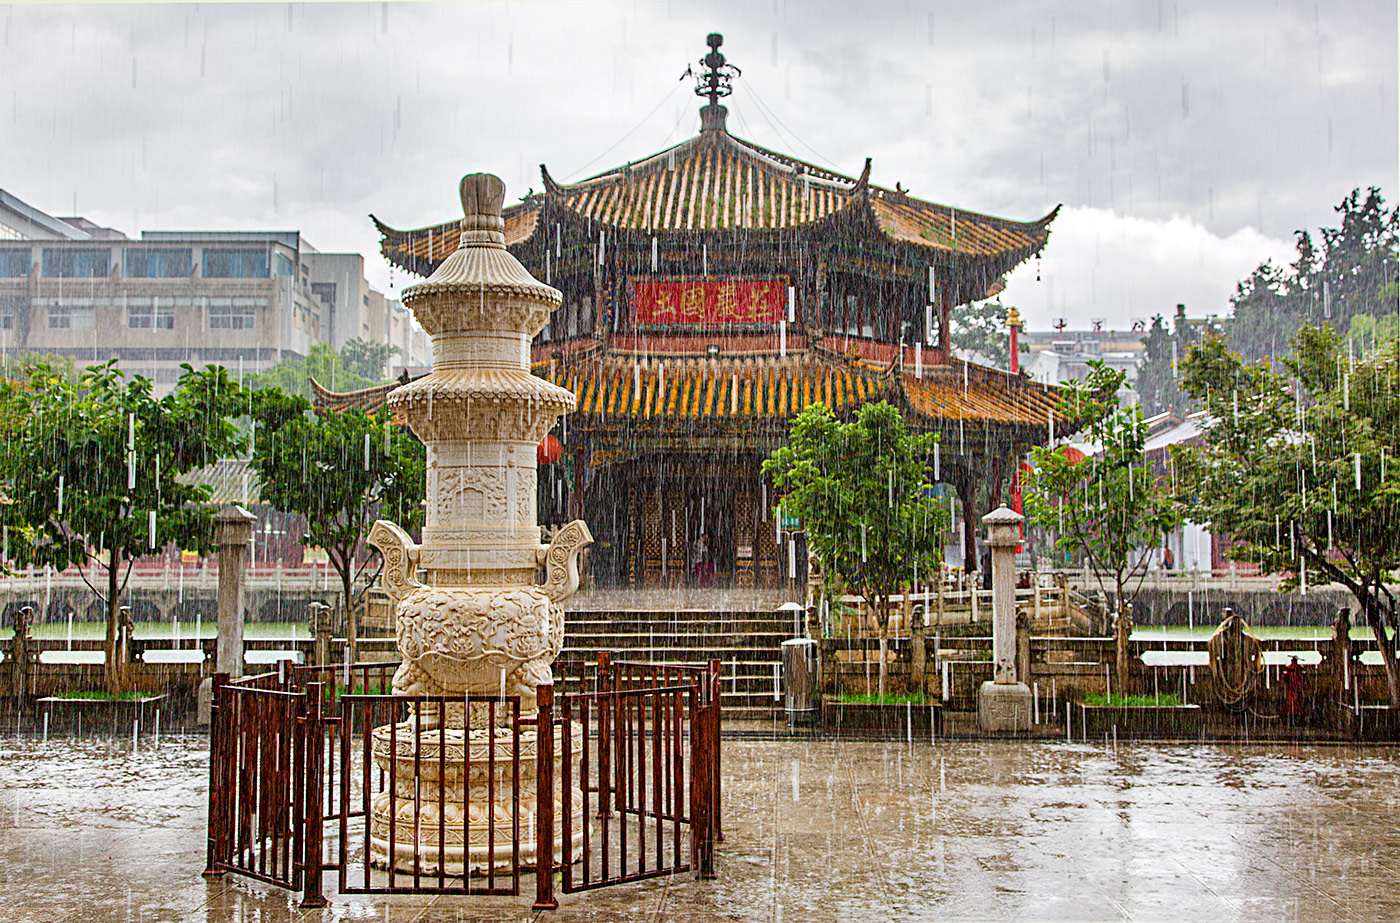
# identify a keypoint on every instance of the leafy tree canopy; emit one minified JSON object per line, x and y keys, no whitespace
{"x":341,"y":471}
{"x":860,"y":489}
{"x":1297,"y":467}
{"x":1163,"y":349}
{"x":1350,"y":273}
{"x":981,"y":327}
{"x":91,"y":463}
{"x":339,"y":371}
{"x":1108,"y":509}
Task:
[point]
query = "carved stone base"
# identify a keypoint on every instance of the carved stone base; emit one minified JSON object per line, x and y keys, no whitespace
{"x":1004,"y":707}
{"x":408,"y":815}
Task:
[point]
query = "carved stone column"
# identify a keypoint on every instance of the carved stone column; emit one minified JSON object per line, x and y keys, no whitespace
{"x":476,"y":626}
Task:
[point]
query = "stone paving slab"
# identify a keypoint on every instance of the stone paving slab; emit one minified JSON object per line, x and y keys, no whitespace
{"x":815,"y":830}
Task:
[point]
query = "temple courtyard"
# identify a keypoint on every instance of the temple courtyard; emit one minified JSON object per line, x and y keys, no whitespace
{"x":814,"y":830}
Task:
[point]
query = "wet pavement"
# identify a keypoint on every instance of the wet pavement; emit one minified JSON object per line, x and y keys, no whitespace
{"x":815,"y":830}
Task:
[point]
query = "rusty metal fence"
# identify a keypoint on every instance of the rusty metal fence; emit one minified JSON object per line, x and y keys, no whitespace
{"x":614,"y":779}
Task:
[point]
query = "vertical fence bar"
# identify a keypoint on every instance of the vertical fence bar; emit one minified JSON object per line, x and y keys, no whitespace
{"x":314,"y":731}
{"x":584,"y":770}
{"x":491,"y":795}
{"x":544,"y":801}
{"x":221,"y":723}
{"x":566,"y":788}
{"x":515,"y":795}
{"x":442,"y":795}
{"x":716,"y":669}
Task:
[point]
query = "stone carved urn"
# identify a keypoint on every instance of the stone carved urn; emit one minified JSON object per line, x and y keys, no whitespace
{"x":475,"y":625}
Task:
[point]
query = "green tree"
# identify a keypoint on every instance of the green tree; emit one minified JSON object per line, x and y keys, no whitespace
{"x":341,"y":471}
{"x":323,"y":363}
{"x":1157,"y":381}
{"x":92,"y":467}
{"x":367,"y":360}
{"x":1109,"y":508}
{"x":1351,"y":273}
{"x":1294,"y":468}
{"x":981,"y":327}
{"x":860,"y":489}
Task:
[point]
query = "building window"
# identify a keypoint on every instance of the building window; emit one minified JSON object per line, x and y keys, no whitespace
{"x":71,"y":316}
{"x":77,"y":264}
{"x":285,"y":267}
{"x":150,"y":313}
{"x":231,"y":313}
{"x":14,"y":264}
{"x":243,"y":263}
{"x":324,"y":291}
{"x":9,"y":307}
{"x":9,"y":233}
{"x":159,"y":264}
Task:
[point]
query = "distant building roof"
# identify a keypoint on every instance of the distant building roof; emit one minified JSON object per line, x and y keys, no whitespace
{"x":60,"y":228}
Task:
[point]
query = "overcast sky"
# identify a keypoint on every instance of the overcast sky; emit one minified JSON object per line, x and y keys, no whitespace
{"x":1187,"y":140}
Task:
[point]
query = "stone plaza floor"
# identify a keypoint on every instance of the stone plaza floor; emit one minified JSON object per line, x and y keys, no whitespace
{"x":815,"y":830}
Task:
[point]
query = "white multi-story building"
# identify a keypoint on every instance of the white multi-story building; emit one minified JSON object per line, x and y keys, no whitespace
{"x":242,"y":299}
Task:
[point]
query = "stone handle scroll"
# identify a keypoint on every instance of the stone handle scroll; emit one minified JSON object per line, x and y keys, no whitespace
{"x":561,"y":560}
{"x":400,"y":558}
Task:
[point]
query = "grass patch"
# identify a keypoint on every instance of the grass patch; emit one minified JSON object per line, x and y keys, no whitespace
{"x":97,"y":695}
{"x":904,"y":698}
{"x":1132,"y":701}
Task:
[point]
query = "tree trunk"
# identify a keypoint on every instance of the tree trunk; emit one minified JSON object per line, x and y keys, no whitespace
{"x":352,"y":623}
{"x":882,"y":619}
{"x":1386,"y":645}
{"x":113,"y":671}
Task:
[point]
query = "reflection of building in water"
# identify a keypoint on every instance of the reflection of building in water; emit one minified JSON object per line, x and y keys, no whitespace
{"x":711,"y":292}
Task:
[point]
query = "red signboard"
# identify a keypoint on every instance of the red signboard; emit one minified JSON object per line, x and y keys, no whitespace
{"x":709,"y":303}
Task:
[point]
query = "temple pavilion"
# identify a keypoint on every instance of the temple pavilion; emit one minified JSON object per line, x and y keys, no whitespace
{"x":712,"y":291}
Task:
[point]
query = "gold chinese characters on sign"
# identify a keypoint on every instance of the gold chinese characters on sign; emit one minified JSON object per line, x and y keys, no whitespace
{"x":709,"y":302}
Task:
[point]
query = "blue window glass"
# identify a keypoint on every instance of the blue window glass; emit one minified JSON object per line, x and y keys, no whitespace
{"x":231,"y":263}
{"x":14,"y":263}
{"x":158,"y":264}
{"x":77,"y":264}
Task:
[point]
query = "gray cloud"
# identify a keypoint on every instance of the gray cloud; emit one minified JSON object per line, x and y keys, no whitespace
{"x":1240,"y":117}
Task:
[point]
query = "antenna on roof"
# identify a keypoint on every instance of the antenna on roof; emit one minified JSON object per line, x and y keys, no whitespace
{"x":714,"y":83}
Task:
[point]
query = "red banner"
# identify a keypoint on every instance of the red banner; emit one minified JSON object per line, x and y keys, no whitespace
{"x":707,"y":303}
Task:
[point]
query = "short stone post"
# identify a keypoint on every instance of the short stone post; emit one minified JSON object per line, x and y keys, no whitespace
{"x":233,"y":532}
{"x":321,"y":631}
{"x":1005,"y":703}
{"x":20,"y":654}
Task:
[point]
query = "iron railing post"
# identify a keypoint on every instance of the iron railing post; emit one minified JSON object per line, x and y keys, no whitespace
{"x":313,"y":826}
{"x":544,"y":800}
{"x":715,"y":675}
{"x":219,"y":760}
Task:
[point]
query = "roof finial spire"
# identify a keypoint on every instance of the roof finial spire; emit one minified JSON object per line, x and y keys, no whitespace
{"x":713,"y":83}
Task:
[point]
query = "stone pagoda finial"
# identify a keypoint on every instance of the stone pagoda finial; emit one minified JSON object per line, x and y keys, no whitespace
{"x":482,"y":197}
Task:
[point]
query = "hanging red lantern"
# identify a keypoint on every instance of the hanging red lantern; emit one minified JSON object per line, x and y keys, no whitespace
{"x":549,"y":450}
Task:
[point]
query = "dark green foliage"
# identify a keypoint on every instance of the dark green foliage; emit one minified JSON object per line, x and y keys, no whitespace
{"x":981,"y":327}
{"x":339,"y":371}
{"x":1277,"y":470}
{"x":79,"y":432}
{"x":1350,"y":275}
{"x":1107,"y":509}
{"x":860,"y":490}
{"x":1157,"y":382}
{"x":316,"y":466}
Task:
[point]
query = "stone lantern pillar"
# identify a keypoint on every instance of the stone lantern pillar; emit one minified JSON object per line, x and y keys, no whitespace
{"x":233,"y":532}
{"x":1004,"y":704}
{"x":470,"y":620}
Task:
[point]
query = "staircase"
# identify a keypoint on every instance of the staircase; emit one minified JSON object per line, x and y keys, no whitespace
{"x":747,"y":643}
